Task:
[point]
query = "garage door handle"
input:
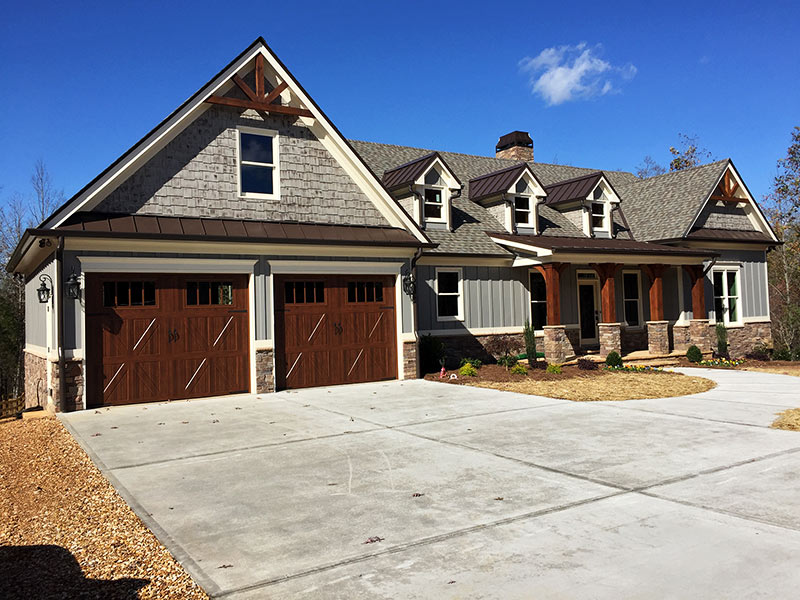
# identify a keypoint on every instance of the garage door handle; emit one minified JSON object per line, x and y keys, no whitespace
{"x":173,"y":336}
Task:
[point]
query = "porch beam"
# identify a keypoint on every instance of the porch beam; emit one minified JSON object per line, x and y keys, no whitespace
{"x":608,"y":295}
{"x":656,"y":275}
{"x":698,"y":291}
{"x":260,"y":105}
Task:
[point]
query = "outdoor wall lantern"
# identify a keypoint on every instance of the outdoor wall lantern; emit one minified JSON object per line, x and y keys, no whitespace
{"x":43,"y":291}
{"x":410,"y":285}
{"x":73,"y":286}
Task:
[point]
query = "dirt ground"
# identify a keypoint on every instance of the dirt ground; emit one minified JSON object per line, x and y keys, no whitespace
{"x":585,"y":386}
{"x":788,"y":419}
{"x":64,"y":530}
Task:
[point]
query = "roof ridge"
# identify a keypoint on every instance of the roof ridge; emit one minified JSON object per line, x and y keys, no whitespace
{"x":521,"y":164}
{"x":681,"y":171}
{"x":411,"y":162}
{"x":573,"y":179}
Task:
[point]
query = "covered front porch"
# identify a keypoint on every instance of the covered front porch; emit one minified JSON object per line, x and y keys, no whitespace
{"x":608,"y":295}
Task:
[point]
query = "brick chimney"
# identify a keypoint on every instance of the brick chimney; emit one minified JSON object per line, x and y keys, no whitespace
{"x":517,"y":145}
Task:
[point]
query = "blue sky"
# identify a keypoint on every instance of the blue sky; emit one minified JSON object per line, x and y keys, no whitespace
{"x":597,"y":85}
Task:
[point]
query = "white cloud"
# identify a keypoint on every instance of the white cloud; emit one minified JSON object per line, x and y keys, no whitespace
{"x":565,"y":73}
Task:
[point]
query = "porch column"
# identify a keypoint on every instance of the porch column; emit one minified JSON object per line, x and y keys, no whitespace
{"x":610,"y":329}
{"x":557,"y":347}
{"x":699,"y":334}
{"x":657,"y":327}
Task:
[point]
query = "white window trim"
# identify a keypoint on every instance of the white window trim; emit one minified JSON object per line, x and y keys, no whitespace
{"x":640,"y":301}
{"x":530,"y":210}
{"x":459,"y":271}
{"x":725,"y":268}
{"x":444,"y":204}
{"x":276,"y":179}
{"x":605,"y":228}
{"x":532,"y":301}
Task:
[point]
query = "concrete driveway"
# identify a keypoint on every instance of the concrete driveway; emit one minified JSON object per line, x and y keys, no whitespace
{"x":423,"y":490}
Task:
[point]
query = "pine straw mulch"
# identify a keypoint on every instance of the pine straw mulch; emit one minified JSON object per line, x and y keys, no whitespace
{"x":64,"y":530}
{"x":788,"y":419}
{"x":779,"y":367}
{"x":586,"y":386}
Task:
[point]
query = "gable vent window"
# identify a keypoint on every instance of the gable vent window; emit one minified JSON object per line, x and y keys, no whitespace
{"x":433,"y":204}
{"x":257,"y":164}
{"x":522,"y":211}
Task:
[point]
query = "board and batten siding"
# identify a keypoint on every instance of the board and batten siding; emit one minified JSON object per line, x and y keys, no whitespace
{"x":753,"y":281}
{"x":494,"y":297}
{"x":35,"y":312}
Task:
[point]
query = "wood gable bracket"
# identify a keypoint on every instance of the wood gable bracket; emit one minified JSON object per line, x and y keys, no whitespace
{"x":726,"y":190}
{"x":258,"y":99}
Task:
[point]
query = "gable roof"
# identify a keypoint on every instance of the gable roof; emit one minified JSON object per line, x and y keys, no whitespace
{"x":572,"y":189}
{"x":497,"y":182}
{"x":139,"y":153}
{"x":683,"y":192}
{"x":408,"y":173}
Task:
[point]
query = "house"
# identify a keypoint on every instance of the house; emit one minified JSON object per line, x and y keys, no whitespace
{"x":245,"y":245}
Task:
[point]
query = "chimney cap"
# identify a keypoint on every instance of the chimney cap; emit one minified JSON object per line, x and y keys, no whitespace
{"x":515,"y":138}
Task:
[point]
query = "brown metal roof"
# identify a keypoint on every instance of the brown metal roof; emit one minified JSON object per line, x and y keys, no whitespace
{"x":728,"y":235}
{"x":599,"y":245}
{"x":572,"y":189}
{"x":409,"y":172}
{"x":495,"y":183}
{"x":229,"y":230}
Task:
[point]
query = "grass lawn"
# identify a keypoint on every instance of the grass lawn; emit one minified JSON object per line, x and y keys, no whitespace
{"x":788,"y":419}
{"x":585,"y":386}
{"x":64,"y":530}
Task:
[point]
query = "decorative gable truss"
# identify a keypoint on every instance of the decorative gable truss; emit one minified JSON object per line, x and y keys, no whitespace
{"x":243,"y":84}
{"x":730,"y":207}
{"x":425,"y":188}
{"x":512,"y":196}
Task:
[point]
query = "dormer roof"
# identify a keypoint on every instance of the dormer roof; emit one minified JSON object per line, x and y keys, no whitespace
{"x":407,"y":173}
{"x":498,"y":182}
{"x":569,"y":190}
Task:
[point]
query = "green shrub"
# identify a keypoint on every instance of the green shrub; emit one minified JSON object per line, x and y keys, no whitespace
{"x":519,"y":369}
{"x":759,"y":352}
{"x":467,"y":370}
{"x":694,"y":355}
{"x":507,"y":361}
{"x":530,"y":340}
{"x":782,"y":354}
{"x":722,"y":339}
{"x":584,"y":364}
{"x":431,"y":353}
{"x":537,"y":364}
{"x":613,"y":359}
{"x":475,"y":362}
{"x":554,"y":368}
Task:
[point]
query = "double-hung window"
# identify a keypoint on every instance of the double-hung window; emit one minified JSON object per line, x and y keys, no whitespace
{"x":257,"y":163}
{"x":433,"y":205}
{"x":632,"y":298}
{"x":523,"y":215}
{"x":727,"y":307}
{"x":449,"y":295}
{"x":538,"y":301}
{"x":599,"y":216}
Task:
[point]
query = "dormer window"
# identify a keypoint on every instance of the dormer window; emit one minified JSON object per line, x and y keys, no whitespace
{"x":433,"y":205}
{"x":523,"y":212}
{"x":599,"y":216}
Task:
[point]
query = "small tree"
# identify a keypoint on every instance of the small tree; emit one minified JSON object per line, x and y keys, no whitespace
{"x":722,"y":340}
{"x":688,"y":154}
{"x":530,"y":341}
{"x":649,"y":168}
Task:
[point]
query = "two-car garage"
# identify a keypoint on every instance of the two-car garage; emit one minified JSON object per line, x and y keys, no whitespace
{"x":154,"y":337}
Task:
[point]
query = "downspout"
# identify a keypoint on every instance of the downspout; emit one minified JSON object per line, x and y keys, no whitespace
{"x":614,"y":208}
{"x":62,"y":392}
{"x":455,"y":193}
{"x":418,"y":207}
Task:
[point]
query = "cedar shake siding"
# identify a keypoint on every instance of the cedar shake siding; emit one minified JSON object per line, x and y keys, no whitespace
{"x":195,"y":175}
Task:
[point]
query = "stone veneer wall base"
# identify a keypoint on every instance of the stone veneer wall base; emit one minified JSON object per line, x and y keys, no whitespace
{"x":610,"y":338}
{"x":265,"y":371}
{"x":658,"y":337}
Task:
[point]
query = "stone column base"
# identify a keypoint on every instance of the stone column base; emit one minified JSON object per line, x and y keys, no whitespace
{"x":610,"y":338}
{"x":700,"y":334}
{"x":265,"y":371}
{"x":73,"y":386}
{"x":680,"y":338}
{"x":410,"y":364}
{"x":557,"y":347}
{"x":658,"y":337}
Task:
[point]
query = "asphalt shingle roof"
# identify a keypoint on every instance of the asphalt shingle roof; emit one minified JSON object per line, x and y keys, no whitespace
{"x":663,"y":207}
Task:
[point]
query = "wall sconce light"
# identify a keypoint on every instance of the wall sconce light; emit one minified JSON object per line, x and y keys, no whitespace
{"x":410,"y":286}
{"x":43,"y":291}
{"x":73,"y":286}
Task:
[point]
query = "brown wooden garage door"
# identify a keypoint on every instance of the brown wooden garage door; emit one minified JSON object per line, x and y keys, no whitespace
{"x":332,"y":330}
{"x":165,"y":337}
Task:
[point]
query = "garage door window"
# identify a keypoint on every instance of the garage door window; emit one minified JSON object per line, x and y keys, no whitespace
{"x":129,"y":293}
{"x":304,"y":292}
{"x":364,"y":291}
{"x":205,"y":293}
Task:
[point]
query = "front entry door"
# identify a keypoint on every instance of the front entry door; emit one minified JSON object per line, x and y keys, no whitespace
{"x":587,"y":299}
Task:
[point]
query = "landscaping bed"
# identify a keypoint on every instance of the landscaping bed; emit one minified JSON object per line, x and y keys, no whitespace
{"x":64,"y":530}
{"x":582,"y":385}
{"x":788,"y":420}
